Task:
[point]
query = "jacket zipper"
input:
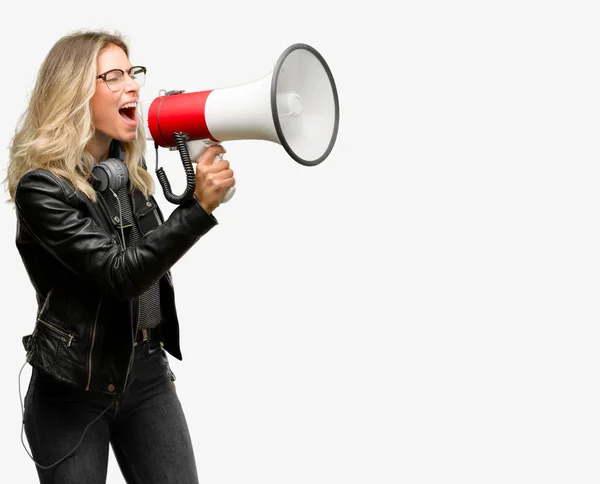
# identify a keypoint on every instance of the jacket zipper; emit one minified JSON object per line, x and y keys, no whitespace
{"x":135,"y":329}
{"x":60,"y":332}
{"x":132,"y":345}
{"x":94,"y":330}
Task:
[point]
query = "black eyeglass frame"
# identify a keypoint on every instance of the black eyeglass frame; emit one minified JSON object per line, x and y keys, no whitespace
{"x":128,"y":71}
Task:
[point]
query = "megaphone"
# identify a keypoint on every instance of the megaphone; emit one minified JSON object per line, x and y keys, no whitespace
{"x":296,"y":105}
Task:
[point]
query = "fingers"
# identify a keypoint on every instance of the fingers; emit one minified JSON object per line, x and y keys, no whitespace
{"x":208,"y":172}
{"x":224,"y":179}
{"x":220,"y":179}
{"x":209,"y":155}
{"x":213,"y":178}
{"x":217,"y":166}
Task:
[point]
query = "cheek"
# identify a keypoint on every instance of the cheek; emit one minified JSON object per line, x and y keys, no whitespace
{"x":101,"y":110}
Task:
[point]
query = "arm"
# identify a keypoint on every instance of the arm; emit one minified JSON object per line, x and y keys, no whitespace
{"x":45,"y":206}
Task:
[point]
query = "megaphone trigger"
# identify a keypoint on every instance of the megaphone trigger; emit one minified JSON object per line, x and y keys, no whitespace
{"x":197,"y":148}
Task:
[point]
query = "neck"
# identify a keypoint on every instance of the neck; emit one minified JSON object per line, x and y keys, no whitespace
{"x":99,"y":148}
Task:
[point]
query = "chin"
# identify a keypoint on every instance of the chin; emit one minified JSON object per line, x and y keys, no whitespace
{"x":127,"y":137}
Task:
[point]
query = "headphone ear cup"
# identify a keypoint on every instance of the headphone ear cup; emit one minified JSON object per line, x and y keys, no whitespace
{"x":110,"y":174}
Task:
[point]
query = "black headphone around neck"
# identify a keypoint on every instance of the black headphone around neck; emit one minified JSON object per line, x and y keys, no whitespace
{"x":111,"y":174}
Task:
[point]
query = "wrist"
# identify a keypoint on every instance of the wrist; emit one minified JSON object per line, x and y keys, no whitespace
{"x":204,"y":206}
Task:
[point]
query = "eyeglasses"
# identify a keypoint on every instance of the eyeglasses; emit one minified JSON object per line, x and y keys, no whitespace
{"x":115,"y":78}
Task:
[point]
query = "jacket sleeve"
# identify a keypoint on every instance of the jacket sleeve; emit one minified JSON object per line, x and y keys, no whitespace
{"x":46,"y":208}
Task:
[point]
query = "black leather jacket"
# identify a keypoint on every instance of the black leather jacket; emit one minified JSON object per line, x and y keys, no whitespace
{"x":87,"y":285}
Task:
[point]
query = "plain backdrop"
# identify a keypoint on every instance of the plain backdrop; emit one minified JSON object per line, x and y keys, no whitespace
{"x":421,"y":307}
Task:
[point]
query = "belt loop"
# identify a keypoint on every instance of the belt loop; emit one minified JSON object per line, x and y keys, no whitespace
{"x":144,"y":334}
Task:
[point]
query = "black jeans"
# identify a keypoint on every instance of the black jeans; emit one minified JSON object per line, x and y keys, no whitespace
{"x":147,"y":430}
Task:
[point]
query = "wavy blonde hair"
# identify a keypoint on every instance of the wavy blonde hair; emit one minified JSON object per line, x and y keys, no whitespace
{"x":53,"y":132}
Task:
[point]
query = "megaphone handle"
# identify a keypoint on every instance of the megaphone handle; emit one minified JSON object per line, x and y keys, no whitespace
{"x":196,"y":149}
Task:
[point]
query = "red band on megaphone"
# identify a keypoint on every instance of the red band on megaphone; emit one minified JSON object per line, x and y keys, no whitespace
{"x":181,"y":112}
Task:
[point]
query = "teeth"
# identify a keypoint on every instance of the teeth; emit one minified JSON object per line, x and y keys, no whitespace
{"x":129,"y":105}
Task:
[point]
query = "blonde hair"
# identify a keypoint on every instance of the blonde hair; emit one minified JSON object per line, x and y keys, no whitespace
{"x":53,"y":132}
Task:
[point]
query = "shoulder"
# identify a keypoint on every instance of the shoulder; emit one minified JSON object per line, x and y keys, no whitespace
{"x":42,"y":183}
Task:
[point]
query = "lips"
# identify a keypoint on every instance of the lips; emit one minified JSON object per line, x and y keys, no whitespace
{"x":128,"y":113}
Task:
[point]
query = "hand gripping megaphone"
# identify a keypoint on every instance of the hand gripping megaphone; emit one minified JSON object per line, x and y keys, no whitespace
{"x":296,"y":106}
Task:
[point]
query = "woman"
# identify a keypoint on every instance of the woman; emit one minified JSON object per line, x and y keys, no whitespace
{"x":100,"y":265}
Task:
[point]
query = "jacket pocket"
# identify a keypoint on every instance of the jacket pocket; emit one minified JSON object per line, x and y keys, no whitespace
{"x":58,"y":331}
{"x":148,"y":206}
{"x":147,"y":217}
{"x":50,"y":341}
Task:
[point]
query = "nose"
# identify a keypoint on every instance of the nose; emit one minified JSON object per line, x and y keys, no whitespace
{"x":130,"y":84}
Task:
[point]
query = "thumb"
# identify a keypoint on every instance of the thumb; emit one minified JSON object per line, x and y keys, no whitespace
{"x":208,"y":157}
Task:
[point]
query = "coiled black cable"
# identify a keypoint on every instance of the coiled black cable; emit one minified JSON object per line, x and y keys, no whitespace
{"x":180,"y":140}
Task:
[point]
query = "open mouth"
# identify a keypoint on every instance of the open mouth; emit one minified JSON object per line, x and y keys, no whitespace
{"x":128,"y":113}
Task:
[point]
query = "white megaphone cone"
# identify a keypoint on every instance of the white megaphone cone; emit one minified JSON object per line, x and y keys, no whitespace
{"x":296,"y":106}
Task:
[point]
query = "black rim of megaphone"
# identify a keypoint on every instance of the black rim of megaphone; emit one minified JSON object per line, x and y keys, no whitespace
{"x":278,"y":129}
